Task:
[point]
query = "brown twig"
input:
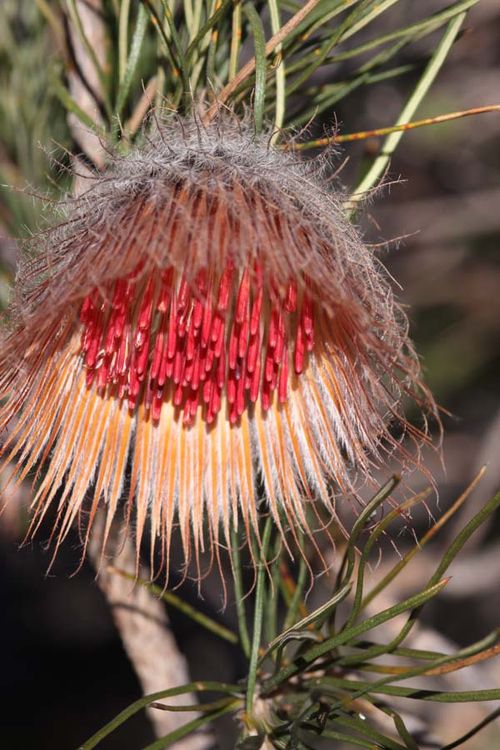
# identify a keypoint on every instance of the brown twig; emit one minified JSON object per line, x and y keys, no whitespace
{"x":84,"y":84}
{"x":378,"y":132}
{"x":144,"y":104}
{"x":142,"y":622}
{"x":249,"y":68}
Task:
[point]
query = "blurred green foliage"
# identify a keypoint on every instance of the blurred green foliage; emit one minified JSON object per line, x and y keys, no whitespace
{"x":32,"y":122}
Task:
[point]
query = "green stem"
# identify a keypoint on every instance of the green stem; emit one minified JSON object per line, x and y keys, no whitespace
{"x":271,"y":624}
{"x":293,"y":607}
{"x":260,"y":591}
{"x":238,"y":590}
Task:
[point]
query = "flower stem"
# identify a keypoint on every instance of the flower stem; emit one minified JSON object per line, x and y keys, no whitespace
{"x":260,"y":591}
{"x":238,"y":590}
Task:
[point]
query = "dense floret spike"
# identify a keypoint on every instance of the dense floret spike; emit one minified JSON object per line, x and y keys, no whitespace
{"x":202,"y":323}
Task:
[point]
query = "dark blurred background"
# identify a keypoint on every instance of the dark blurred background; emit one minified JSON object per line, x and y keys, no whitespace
{"x":63,"y":670}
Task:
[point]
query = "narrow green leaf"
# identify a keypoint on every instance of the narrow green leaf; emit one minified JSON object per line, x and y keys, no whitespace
{"x":362,"y":726}
{"x":422,"y":669}
{"x":349,"y":560}
{"x":260,"y":64}
{"x":190,"y":727}
{"x":320,"y":612}
{"x":446,"y":561}
{"x":173,"y":47}
{"x":377,"y":532}
{"x":70,"y":104}
{"x":400,"y":727}
{"x":465,"y":535}
{"x":280,"y":75}
{"x":239,"y":593}
{"x":133,"y":58}
{"x":411,"y":653}
{"x":346,"y":636}
{"x":336,"y":92}
{"x":472,"y":732}
{"x":272,"y":606}
{"x":260,"y":590}
{"x":294,"y":603}
{"x":236,"y":31}
{"x":391,"y":142}
{"x":323,"y":51}
{"x":401,"y":564}
{"x":123,"y":23}
{"x":213,"y":40}
{"x":415,"y":693}
{"x":188,"y":13}
{"x":320,"y":19}
{"x":197,"y":16}
{"x":412,"y":31}
{"x":197,"y":707}
{"x":292,"y":635}
{"x":406,"y":34}
{"x":183,"y":63}
{"x":307,"y":710}
{"x":367,"y":18}
{"x":123,"y":716}
{"x":360,"y":17}
{"x":207,"y":27}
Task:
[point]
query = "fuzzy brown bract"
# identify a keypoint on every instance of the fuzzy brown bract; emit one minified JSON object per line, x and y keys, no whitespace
{"x":203,"y":320}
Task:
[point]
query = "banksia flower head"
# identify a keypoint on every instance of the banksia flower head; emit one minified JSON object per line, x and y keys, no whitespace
{"x":204,"y":328}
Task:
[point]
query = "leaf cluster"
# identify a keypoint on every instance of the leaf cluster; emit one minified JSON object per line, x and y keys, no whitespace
{"x":290,"y":61}
{"x":30,"y":115}
{"x":326,"y":675}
